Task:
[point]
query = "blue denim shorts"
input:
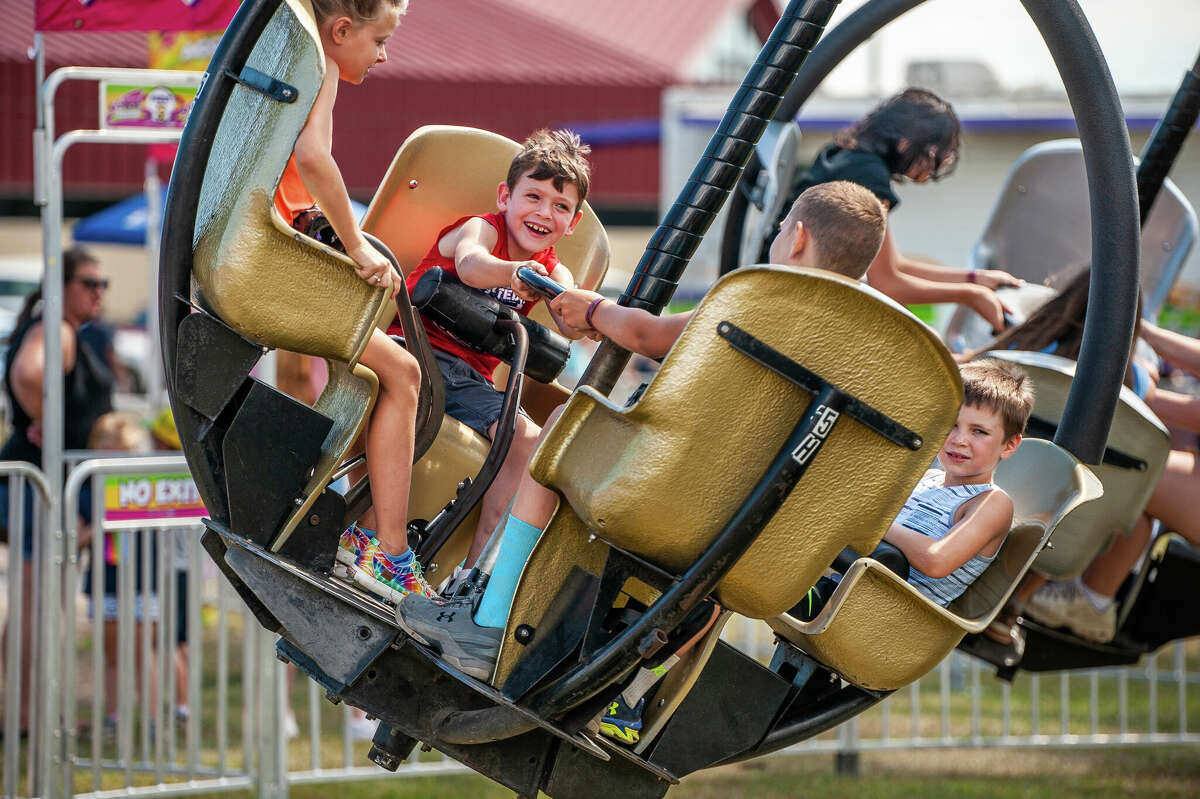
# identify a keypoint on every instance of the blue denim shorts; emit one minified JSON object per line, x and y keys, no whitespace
{"x":470,"y":397}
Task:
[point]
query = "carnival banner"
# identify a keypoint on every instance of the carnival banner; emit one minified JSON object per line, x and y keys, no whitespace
{"x":151,"y":500}
{"x":132,"y":15}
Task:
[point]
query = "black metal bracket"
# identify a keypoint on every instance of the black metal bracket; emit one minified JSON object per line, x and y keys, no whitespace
{"x":559,"y":633}
{"x":1037,"y":427}
{"x":785,"y":367}
{"x":265,"y":84}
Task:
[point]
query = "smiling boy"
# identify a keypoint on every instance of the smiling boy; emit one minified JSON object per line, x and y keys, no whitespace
{"x":538,"y":203}
{"x":956,"y":519}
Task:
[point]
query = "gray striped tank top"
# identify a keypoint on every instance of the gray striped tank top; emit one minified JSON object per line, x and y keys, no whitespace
{"x":930,"y":511}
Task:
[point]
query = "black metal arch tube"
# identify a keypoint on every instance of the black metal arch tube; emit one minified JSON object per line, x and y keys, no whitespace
{"x":1112,"y":190}
{"x":675,"y":241}
{"x":1167,"y":139}
{"x":842,"y":40}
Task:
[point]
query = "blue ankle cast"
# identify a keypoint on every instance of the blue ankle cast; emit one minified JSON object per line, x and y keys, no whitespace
{"x":518,"y":541}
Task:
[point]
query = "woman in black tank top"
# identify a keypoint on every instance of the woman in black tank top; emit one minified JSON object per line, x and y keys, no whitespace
{"x":87,"y":394}
{"x":913,"y":136}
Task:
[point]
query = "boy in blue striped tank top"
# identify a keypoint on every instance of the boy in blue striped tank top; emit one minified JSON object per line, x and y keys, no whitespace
{"x":955,"y":520}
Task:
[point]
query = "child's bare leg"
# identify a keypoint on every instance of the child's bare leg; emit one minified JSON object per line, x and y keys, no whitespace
{"x":1172,"y":502}
{"x":513,"y":471}
{"x":1109,"y":570}
{"x":390,"y":434}
{"x":1029,"y":586}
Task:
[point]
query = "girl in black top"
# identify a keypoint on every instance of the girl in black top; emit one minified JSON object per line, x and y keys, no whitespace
{"x":913,"y":136}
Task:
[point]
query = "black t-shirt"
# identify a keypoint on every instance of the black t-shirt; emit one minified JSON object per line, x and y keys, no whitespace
{"x":857,"y":166}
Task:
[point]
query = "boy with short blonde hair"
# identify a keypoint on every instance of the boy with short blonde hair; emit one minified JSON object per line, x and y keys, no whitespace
{"x":837,"y":226}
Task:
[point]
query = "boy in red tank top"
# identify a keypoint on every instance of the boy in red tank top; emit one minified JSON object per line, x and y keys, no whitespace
{"x":538,"y":203}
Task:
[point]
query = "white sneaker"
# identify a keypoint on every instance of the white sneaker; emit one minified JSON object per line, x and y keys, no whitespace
{"x":291,"y":730}
{"x":1064,"y":605}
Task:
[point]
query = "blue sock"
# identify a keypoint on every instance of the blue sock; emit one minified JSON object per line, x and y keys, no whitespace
{"x":398,"y":562}
{"x":366,"y":530}
{"x":518,"y":541}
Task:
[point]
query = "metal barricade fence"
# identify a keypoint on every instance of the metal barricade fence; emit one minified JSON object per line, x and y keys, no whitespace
{"x":28,"y":499}
{"x":235,"y":733}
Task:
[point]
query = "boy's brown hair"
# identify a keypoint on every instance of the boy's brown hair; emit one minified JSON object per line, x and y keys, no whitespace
{"x":355,"y":9}
{"x":847,"y":223}
{"x":1001,"y":387}
{"x":558,"y":156}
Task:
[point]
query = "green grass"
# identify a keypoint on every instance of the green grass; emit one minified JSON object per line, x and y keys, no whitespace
{"x":1140,"y":771}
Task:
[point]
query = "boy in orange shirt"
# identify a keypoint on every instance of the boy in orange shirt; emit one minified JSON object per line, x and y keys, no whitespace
{"x":354,"y":35}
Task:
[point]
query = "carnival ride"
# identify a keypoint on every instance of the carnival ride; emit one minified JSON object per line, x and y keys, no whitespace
{"x":809,"y":437}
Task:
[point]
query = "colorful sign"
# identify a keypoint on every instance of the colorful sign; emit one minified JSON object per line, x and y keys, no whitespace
{"x":123,"y":106}
{"x":151,"y":500}
{"x":133,"y":15}
{"x":182,"y":49}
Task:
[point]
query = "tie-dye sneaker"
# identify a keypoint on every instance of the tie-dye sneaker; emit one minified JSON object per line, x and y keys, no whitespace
{"x":392,"y":578}
{"x":355,"y":549}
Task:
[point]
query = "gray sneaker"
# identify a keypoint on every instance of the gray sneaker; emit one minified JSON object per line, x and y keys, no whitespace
{"x":446,"y":626}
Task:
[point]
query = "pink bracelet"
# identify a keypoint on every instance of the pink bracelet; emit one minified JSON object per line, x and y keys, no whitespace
{"x":971,"y":276}
{"x":587,"y":317}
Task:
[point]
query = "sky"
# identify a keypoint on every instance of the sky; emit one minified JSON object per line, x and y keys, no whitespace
{"x":1148,"y":44}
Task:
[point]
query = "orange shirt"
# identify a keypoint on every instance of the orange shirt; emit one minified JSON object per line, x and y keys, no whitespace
{"x":291,"y":198}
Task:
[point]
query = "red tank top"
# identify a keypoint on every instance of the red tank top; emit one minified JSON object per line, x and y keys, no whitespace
{"x":442,"y":339}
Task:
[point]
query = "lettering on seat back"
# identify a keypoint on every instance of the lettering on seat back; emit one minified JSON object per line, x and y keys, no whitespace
{"x":826,"y":418}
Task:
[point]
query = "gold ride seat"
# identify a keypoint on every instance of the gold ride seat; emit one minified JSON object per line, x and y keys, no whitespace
{"x":660,"y":479}
{"x":270,"y":284}
{"x":441,"y":173}
{"x":880,"y":633}
{"x":1134,"y":458}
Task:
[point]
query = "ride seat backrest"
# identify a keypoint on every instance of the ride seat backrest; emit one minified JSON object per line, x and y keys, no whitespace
{"x":1135,"y":432}
{"x":879,"y":632}
{"x":1040,"y":224}
{"x":273,"y":285}
{"x":443,"y":172}
{"x":660,"y":479}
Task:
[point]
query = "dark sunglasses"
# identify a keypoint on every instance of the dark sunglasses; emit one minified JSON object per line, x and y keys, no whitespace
{"x":93,"y":284}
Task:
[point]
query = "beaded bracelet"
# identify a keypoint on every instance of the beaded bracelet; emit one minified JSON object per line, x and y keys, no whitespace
{"x":587,"y":317}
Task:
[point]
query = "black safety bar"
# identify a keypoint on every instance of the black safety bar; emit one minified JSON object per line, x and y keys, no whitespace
{"x":447,"y":521}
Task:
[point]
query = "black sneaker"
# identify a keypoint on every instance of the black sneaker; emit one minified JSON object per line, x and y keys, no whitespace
{"x":621,"y":722}
{"x":447,"y":626}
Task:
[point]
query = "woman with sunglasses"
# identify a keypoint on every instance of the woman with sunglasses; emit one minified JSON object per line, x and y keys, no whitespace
{"x":87,"y":395}
{"x":912,"y":136}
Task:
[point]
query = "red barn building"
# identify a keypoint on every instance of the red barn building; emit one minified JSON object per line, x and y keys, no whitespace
{"x":506,"y":65}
